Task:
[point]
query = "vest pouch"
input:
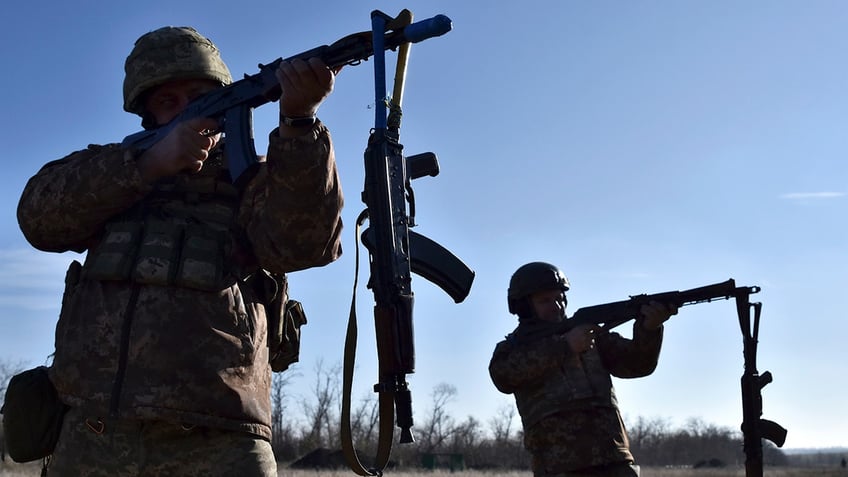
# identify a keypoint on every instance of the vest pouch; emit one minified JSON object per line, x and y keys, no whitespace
{"x":158,"y":253}
{"x":202,"y":259}
{"x":285,"y":317}
{"x":287,"y":331}
{"x":32,"y":415}
{"x":114,"y":256}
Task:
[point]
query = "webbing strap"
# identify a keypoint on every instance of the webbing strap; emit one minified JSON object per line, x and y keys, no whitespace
{"x":386,"y":400}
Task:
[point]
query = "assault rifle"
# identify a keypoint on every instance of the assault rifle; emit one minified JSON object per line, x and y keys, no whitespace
{"x":611,"y":315}
{"x":754,"y":427}
{"x":233,"y":104}
{"x":395,"y":253}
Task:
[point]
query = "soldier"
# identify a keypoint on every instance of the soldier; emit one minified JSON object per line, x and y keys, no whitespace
{"x":561,"y":381}
{"x":161,"y":347}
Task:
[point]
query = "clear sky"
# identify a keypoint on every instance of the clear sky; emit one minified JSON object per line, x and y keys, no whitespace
{"x":641,"y":146}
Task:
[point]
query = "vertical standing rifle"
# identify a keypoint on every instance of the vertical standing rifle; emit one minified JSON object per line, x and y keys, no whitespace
{"x":394,"y":251}
{"x":754,"y":427}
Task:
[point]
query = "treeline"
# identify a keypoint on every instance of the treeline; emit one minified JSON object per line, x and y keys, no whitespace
{"x":302,"y":424}
{"x":697,"y":443}
{"x":313,"y":423}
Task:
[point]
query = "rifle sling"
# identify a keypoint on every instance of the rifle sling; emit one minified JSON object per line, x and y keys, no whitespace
{"x":386,"y":402}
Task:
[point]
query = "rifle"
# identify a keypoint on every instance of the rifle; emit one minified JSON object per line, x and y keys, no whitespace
{"x":610,"y":315}
{"x":754,"y":428}
{"x":233,"y":104}
{"x":395,"y":253}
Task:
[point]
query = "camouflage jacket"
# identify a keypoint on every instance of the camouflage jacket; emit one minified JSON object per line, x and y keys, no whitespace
{"x":567,"y":401}
{"x":146,"y":340}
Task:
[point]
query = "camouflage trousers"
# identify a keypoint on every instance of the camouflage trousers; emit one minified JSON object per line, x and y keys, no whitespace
{"x":621,"y":469}
{"x":93,"y":447}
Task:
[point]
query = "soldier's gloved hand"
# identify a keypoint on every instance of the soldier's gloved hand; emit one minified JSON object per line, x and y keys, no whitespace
{"x":183,"y":149}
{"x":654,"y":314}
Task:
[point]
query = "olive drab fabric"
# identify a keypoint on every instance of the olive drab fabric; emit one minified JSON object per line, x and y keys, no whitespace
{"x":104,"y":447}
{"x":285,"y":318}
{"x":165,"y":320}
{"x":180,"y":234}
{"x":32,"y":415}
{"x":168,"y":54}
{"x":567,"y":401}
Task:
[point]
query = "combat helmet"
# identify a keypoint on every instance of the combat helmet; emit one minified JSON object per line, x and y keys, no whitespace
{"x":167,"y":54}
{"x":530,"y":278}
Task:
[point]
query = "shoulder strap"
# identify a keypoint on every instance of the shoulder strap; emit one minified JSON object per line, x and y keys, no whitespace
{"x":386,"y":400}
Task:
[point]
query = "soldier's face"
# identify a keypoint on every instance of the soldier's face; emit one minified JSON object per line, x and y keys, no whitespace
{"x":549,"y":305}
{"x":168,"y":100}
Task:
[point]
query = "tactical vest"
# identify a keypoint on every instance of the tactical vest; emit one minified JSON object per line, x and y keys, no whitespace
{"x":181,"y":234}
{"x":579,"y":382}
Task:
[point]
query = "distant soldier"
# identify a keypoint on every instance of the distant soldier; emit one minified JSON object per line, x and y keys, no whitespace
{"x":161,"y":345}
{"x":561,"y":381}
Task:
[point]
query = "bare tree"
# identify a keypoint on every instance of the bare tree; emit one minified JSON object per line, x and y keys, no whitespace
{"x":466,"y":435}
{"x":501,"y":423}
{"x":283,"y":438}
{"x":646,"y":437}
{"x":321,"y":416}
{"x":7,"y":370}
{"x":364,"y":421}
{"x":438,"y":426}
{"x":279,"y":383}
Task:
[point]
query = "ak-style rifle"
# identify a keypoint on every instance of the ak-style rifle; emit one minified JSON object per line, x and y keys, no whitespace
{"x":233,"y":104}
{"x":754,"y":427}
{"x":395,"y":253}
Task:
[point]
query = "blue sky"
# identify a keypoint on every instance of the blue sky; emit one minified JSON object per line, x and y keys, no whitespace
{"x":641,"y":146}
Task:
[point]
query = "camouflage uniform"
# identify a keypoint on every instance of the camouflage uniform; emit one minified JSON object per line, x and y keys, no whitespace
{"x":148,"y":448}
{"x":165,"y":321}
{"x":572,"y":424}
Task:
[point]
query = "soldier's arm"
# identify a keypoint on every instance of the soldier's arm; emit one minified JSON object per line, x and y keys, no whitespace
{"x":625,"y":358}
{"x":514,"y":366}
{"x":292,"y":210}
{"x":64,"y":206}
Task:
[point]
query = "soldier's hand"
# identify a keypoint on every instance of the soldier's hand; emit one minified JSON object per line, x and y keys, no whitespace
{"x":305,"y":85}
{"x":183,"y":149}
{"x":581,"y":338}
{"x":655,"y":314}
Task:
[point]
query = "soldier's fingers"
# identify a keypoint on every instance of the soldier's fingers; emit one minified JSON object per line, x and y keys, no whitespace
{"x":320,"y":71}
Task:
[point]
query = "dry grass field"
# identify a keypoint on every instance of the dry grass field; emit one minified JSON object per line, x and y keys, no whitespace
{"x":8,"y":469}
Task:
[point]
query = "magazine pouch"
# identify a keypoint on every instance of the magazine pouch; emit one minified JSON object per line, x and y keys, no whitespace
{"x":285,"y":317}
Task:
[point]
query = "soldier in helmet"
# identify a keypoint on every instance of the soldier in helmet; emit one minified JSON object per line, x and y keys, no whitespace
{"x":161,"y":345}
{"x":562,"y":381}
